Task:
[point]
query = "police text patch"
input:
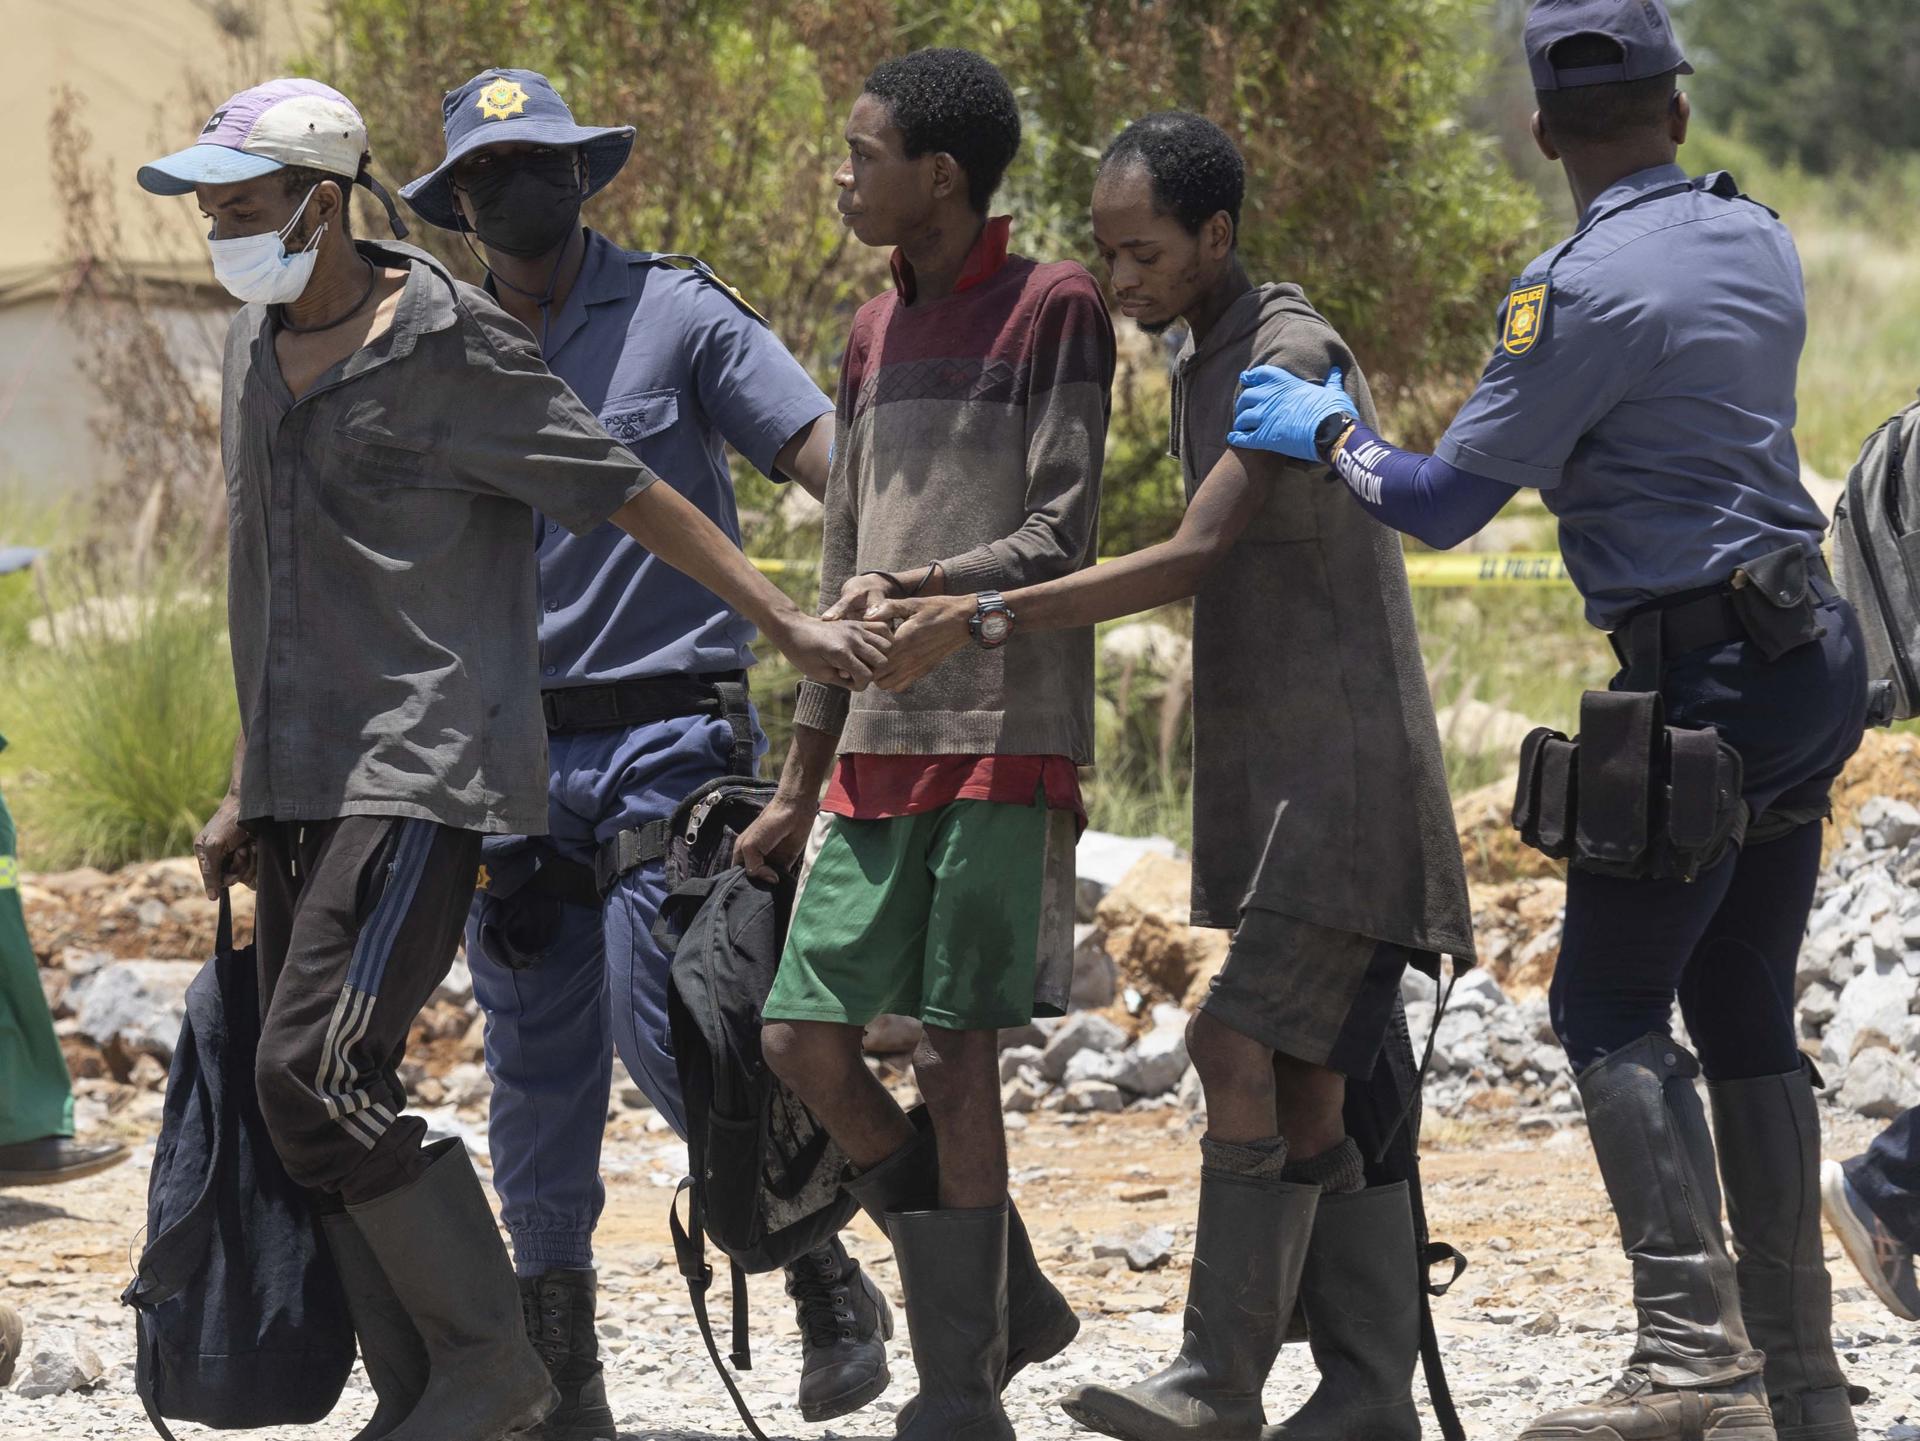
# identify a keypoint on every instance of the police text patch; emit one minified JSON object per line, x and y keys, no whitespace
{"x":1526,"y":313}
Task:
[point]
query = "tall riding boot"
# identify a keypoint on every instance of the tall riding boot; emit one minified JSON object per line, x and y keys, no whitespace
{"x":1768,"y":1132}
{"x":1361,"y":1294}
{"x":845,"y":1325}
{"x":953,"y":1269}
{"x":391,"y":1350}
{"x":1693,"y":1372}
{"x":436,"y":1241}
{"x":557,"y":1310}
{"x":1040,"y":1323}
{"x":1248,"y":1252}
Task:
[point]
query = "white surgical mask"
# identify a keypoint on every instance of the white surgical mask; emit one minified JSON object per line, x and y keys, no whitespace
{"x":257,"y":268}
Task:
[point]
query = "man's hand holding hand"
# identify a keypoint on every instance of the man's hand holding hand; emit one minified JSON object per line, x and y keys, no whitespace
{"x":860,"y":596}
{"x":835,"y":652}
{"x":777,"y":840}
{"x":1280,"y":412}
{"x":928,"y":631}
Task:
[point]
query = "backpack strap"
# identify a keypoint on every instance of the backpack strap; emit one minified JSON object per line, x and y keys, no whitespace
{"x":690,"y":1250}
{"x":144,"y":1376}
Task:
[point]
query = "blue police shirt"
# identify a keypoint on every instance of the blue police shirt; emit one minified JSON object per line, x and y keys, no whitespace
{"x":675,"y":370}
{"x":1644,"y":384}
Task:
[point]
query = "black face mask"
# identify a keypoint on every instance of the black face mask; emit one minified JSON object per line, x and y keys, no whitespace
{"x":526,"y":208}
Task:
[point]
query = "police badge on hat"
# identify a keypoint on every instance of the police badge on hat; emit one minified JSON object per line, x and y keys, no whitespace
{"x":1526,"y":314}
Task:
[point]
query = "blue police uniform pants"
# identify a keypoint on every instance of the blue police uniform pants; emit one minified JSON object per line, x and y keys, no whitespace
{"x":1888,"y":1177}
{"x":1726,"y":944}
{"x":564,"y":985}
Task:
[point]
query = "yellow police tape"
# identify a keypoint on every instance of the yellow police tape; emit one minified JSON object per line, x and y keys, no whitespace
{"x":1424,"y":571}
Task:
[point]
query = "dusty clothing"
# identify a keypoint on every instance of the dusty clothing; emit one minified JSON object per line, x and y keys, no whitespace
{"x":971,"y":430}
{"x":1320,"y":996}
{"x":1319,"y":789}
{"x":381,"y":583}
{"x":357,"y":924}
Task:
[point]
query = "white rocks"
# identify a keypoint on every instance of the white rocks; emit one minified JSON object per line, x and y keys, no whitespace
{"x":1094,"y":1097}
{"x":1145,"y":1250}
{"x":1872,"y":1009}
{"x":1101,"y":859}
{"x":1892,"y":823}
{"x":1159,"y":1059}
{"x":137,"y":1006}
{"x":1880,"y":1084}
{"x":55,"y":1361}
{"x":891,"y":1036}
{"x":1016,"y":1059}
{"x":1082,"y":1031}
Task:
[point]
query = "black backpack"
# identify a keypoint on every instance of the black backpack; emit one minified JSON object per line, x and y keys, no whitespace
{"x":766,"y":1179}
{"x":241,"y":1318}
{"x":1876,"y":562}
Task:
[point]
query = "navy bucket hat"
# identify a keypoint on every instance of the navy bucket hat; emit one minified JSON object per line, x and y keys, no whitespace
{"x":498,"y":106}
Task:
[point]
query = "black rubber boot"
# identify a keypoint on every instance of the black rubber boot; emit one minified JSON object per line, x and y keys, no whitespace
{"x":557,"y":1309}
{"x":1361,"y":1294}
{"x":845,"y":1324}
{"x":436,"y":1241}
{"x":1768,"y":1132}
{"x":953,"y":1270}
{"x":391,"y":1350}
{"x":1693,"y":1373}
{"x":1248,"y":1252}
{"x":1040,"y":1323}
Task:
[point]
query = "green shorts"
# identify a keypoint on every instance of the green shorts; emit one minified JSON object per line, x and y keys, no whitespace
{"x":936,"y":916}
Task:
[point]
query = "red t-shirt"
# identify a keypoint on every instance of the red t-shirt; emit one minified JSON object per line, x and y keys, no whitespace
{"x":874,"y":787}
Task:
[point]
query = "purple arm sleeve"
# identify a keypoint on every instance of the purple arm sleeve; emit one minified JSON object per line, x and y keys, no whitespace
{"x":1419,"y":494}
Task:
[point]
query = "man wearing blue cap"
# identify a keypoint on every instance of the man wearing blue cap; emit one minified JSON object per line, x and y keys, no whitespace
{"x":644,"y":680}
{"x":1644,"y":384}
{"x":387,"y":433}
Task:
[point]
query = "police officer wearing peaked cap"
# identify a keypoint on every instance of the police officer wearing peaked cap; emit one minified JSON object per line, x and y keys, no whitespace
{"x":1644,"y":384}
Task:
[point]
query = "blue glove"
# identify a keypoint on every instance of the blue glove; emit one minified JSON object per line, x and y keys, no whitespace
{"x":1279,"y":411}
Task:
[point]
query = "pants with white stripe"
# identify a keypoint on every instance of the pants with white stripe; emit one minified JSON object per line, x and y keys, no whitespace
{"x":357,"y":922}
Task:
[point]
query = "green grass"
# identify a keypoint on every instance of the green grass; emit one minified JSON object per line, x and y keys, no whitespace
{"x":121,"y":733}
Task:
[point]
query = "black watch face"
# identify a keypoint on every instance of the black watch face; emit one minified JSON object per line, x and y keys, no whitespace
{"x":995,"y":626}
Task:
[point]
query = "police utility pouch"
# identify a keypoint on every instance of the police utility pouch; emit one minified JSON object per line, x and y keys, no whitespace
{"x":1632,"y":796}
{"x":1773,"y":596}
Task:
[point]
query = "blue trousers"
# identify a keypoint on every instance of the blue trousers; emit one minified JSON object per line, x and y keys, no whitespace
{"x":1888,"y":1177}
{"x":1726,"y":944}
{"x":564,"y":985}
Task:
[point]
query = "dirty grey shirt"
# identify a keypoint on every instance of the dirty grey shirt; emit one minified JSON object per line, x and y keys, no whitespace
{"x":382,"y":577}
{"x":1319,"y":788}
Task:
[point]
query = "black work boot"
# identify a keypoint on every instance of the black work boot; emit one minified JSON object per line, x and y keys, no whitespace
{"x":1693,"y":1372}
{"x":436,"y":1241}
{"x":390,"y":1348}
{"x":1040,"y":1323}
{"x":557,"y":1309}
{"x":1768,"y":1133}
{"x":1361,"y":1294}
{"x":953,"y":1270}
{"x":1248,"y":1252}
{"x":845,"y":1324}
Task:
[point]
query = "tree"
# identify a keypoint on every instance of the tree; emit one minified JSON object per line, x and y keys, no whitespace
{"x":1826,"y":84}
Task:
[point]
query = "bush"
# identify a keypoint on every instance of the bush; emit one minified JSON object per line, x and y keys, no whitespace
{"x":123,"y":727}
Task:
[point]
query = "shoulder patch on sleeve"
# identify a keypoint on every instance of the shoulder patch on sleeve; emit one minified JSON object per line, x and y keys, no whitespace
{"x":1525,"y":317}
{"x":706,"y":272}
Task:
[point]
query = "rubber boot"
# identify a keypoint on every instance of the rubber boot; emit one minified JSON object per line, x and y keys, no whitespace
{"x":953,"y":1269}
{"x":1361,"y":1294}
{"x":1768,"y":1132}
{"x":1693,"y":1372}
{"x":436,"y":1241}
{"x":1248,"y":1253}
{"x":391,"y":1350}
{"x":557,"y":1309}
{"x":1040,"y":1323}
{"x":845,"y":1324}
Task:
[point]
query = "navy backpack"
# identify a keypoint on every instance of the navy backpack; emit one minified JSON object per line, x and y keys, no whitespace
{"x":242,"y":1321}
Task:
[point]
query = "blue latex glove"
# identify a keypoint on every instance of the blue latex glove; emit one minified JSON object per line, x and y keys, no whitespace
{"x":1279,"y":411}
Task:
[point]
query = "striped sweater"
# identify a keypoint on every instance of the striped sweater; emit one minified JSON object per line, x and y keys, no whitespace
{"x":970,"y":430}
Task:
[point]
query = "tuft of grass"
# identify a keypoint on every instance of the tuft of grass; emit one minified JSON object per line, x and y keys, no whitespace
{"x":121,"y":729}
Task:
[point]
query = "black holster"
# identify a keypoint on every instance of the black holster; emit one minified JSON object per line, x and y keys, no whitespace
{"x":1632,"y":796}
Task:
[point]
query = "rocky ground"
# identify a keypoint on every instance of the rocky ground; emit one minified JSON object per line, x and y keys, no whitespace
{"x":1104,"y":1108}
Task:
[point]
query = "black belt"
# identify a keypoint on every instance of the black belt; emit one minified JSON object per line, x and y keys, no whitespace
{"x":1688,"y":624}
{"x":649,"y":700}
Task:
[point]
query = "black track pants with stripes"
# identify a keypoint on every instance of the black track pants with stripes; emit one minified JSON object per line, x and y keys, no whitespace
{"x":357,"y":923}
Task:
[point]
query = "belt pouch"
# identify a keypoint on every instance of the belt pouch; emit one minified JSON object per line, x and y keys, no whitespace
{"x":1618,"y":733}
{"x":1544,"y":803}
{"x":1705,"y":812}
{"x":1773,"y":596}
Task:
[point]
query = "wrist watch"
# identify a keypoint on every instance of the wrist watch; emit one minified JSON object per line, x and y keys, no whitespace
{"x":992,"y":621}
{"x":1327,"y":435}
